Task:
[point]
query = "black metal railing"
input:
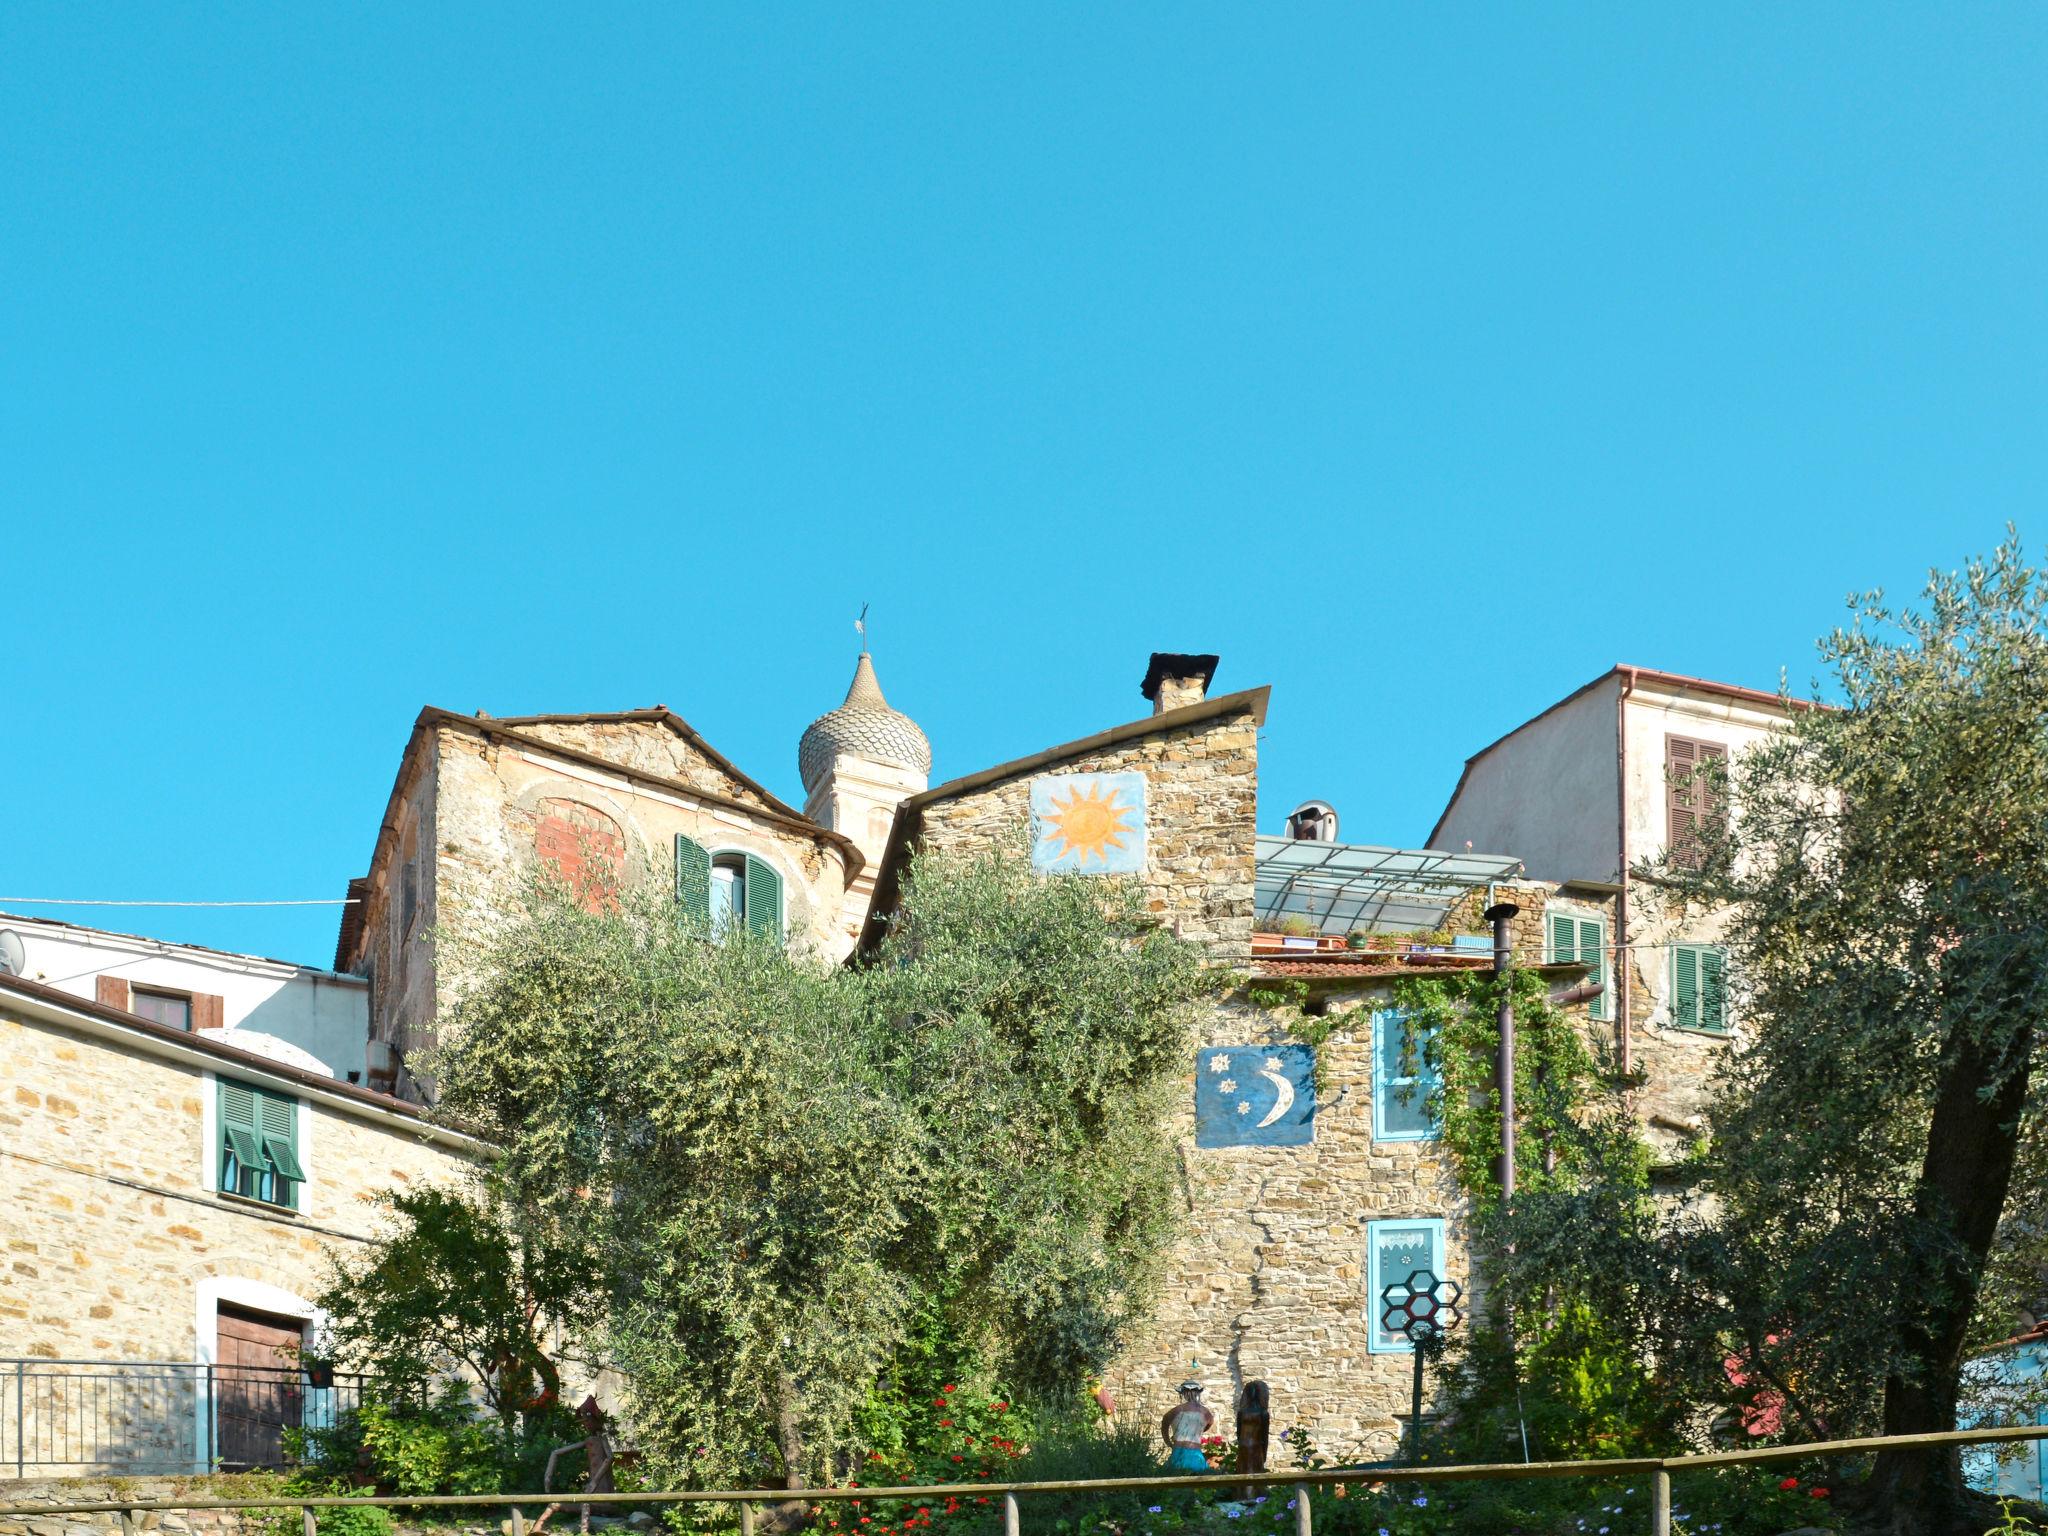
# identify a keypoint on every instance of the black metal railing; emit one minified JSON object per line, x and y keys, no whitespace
{"x":160,"y":1416}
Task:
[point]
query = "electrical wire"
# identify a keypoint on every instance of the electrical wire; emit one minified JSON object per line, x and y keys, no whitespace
{"x":80,"y":901}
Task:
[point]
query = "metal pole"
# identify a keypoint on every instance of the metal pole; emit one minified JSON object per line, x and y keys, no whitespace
{"x":1415,"y":1417}
{"x":1660,"y":1503}
{"x":1301,"y":1509}
{"x":1010,"y":1517}
{"x":1504,"y":1065}
{"x":212,"y":1426}
{"x":20,"y":1424}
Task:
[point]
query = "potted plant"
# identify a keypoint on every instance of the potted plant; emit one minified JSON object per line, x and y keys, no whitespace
{"x":1358,"y":938}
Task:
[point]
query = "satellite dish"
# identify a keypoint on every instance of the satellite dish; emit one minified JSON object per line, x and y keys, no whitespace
{"x":13,"y":954}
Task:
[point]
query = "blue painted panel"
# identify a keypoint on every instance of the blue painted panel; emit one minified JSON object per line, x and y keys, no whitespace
{"x":1394,"y":1251}
{"x":1088,"y":824}
{"x":1255,"y":1096}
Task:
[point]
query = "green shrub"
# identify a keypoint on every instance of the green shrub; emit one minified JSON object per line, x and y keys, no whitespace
{"x":438,"y":1446}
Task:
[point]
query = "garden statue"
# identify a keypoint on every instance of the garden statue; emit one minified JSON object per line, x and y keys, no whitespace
{"x":597,"y":1456}
{"x":1185,"y":1426}
{"x":1254,"y":1425}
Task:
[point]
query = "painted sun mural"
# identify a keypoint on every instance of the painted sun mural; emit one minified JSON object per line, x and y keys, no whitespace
{"x":1088,"y":824}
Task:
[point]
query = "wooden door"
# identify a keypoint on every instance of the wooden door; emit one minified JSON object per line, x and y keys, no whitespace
{"x":256,"y":1385}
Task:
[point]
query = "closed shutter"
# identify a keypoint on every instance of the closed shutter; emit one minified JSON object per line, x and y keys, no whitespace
{"x":1681,"y":829}
{"x":764,"y":900}
{"x":1711,"y":799}
{"x":278,"y":1118}
{"x":1593,"y":954}
{"x":208,"y":1010}
{"x":1685,"y":986}
{"x":241,"y":1135}
{"x":1582,"y":941}
{"x":1713,"y":1011}
{"x":693,"y":880}
{"x":112,"y":991}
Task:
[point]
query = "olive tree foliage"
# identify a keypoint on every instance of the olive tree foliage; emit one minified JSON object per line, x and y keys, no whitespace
{"x":1884,"y":870}
{"x":767,"y":1158}
{"x":453,"y":1286}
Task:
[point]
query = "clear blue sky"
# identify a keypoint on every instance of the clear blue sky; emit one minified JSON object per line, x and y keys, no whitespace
{"x":354,"y":358}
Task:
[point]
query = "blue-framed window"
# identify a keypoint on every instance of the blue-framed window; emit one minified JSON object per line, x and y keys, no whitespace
{"x":1404,"y":1080}
{"x":1395,"y":1250}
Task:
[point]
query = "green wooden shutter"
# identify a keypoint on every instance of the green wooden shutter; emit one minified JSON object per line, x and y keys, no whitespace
{"x":1685,"y":986}
{"x":279,"y":1117}
{"x":1561,"y":939}
{"x":693,"y":880}
{"x":764,"y":900}
{"x":1713,"y":1013}
{"x":240,"y":1132}
{"x":1593,"y":951}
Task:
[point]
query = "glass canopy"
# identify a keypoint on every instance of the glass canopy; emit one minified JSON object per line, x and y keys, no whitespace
{"x":1342,"y":886}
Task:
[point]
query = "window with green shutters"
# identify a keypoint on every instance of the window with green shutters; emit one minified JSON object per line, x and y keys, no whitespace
{"x":1698,"y":996}
{"x":1583,"y":941}
{"x":259,"y":1144}
{"x":720,"y":888}
{"x":693,"y":879}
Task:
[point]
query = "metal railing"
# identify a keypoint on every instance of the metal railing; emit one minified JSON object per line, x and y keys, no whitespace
{"x":1658,"y":1470}
{"x":159,"y":1416}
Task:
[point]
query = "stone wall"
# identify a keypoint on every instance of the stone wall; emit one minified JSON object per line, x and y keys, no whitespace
{"x":117,"y":1246}
{"x":476,"y":810}
{"x":1202,"y":786}
{"x":1272,"y":1279}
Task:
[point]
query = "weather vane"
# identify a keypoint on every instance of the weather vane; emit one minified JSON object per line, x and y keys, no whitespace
{"x":861,"y":626}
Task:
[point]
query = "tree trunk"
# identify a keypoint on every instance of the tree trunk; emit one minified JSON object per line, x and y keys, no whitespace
{"x":789,"y":1440}
{"x":1972,"y":1141}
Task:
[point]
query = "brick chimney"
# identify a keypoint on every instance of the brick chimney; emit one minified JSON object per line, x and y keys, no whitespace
{"x":1173,"y":681}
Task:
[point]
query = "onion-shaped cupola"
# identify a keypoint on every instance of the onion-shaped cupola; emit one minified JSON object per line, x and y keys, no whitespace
{"x":865,"y":727}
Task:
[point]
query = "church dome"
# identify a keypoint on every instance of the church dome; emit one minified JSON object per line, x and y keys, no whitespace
{"x":864,"y":726}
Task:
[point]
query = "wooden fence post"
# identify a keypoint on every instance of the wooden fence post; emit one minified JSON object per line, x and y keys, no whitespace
{"x":312,"y":1522}
{"x":1660,"y":1503}
{"x":1301,"y":1521}
{"x":746,"y":1518}
{"x":1010,"y":1518}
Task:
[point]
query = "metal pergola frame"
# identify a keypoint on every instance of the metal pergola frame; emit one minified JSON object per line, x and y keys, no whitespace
{"x":1345,"y":886}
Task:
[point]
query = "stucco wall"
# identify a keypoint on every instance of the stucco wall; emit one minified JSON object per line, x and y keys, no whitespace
{"x":1545,"y":794}
{"x":117,"y":1244}
{"x":321,"y":1013}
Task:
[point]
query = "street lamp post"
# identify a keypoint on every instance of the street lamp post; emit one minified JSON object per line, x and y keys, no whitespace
{"x":1421,"y":1309}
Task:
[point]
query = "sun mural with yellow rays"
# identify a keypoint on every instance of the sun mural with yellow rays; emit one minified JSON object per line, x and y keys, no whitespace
{"x":1088,"y":823}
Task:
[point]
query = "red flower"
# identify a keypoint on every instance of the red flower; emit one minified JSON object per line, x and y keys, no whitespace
{"x":983,"y":1499}
{"x":945,"y":1423}
{"x":959,"y":1458}
{"x":947,"y":1388}
{"x":1790,"y":1482}
{"x":938,"y":1402}
{"x":1816,"y":1493}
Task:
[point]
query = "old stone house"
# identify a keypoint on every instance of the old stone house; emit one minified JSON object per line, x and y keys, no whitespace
{"x":1313,"y":1176}
{"x":1585,"y":791}
{"x":619,"y":798}
{"x":173,"y":1196}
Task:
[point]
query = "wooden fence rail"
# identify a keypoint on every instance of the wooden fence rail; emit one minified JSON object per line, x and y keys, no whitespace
{"x":1657,"y":1468}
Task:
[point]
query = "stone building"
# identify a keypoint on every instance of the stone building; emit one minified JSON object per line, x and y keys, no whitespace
{"x":172,"y":1204}
{"x":1583,"y":792}
{"x":607,"y":801}
{"x":1312,"y":1173}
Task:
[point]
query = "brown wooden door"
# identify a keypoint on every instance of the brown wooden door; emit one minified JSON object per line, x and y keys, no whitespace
{"x":256,"y":1385}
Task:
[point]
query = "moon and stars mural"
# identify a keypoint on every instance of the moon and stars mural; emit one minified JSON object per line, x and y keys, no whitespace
{"x":1255,"y":1096}
{"x":1088,"y":824}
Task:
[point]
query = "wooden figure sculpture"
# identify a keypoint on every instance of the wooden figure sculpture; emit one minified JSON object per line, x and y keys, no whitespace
{"x":1254,"y":1428}
{"x":597,"y":1457}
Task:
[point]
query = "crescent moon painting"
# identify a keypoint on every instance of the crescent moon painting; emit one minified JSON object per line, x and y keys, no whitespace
{"x":1255,"y":1096}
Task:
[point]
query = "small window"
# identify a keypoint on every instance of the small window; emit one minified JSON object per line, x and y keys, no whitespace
{"x":728,"y":893}
{"x":1583,"y":941}
{"x":1395,"y":1250}
{"x":173,"y":1009}
{"x":1698,"y":994}
{"x":1403,"y":1079}
{"x":259,"y":1144}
